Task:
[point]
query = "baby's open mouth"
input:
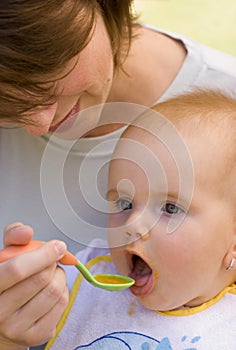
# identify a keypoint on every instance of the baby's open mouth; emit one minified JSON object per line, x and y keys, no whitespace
{"x":140,"y":267}
{"x":143,"y":275}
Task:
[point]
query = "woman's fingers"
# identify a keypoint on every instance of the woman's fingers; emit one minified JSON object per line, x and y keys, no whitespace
{"x":45,"y":327}
{"x":33,"y":292}
{"x":17,"y":233}
{"x":35,"y":321}
{"x":21,"y":293}
{"x":25,"y":265}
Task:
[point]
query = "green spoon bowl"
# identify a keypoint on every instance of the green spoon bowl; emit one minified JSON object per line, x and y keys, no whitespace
{"x":111,"y":282}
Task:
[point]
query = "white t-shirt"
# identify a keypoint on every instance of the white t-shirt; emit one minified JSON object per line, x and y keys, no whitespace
{"x":59,"y":188}
{"x":101,"y":320}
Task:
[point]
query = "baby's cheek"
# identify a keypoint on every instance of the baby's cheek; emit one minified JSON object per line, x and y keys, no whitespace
{"x":118,"y":260}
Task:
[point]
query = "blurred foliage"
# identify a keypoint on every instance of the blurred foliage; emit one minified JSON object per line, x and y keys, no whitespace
{"x":209,"y":22}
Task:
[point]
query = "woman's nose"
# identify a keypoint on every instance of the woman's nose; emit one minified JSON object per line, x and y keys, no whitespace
{"x":41,"y":121}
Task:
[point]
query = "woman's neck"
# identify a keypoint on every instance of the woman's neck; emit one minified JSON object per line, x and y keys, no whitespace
{"x":153,"y":62}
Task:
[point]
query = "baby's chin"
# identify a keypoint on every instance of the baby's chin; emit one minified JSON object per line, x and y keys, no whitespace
{"x":153,"y":304}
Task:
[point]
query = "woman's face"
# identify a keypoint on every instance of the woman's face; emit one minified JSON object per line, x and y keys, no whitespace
{"x":175,"y":248}
{"x":88,"y":84}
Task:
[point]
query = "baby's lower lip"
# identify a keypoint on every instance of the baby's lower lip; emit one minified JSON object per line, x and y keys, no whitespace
{"x":143,"y":284}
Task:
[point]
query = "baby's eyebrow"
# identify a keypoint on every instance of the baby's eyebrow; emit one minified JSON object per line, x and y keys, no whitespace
{"x":111,"y":195}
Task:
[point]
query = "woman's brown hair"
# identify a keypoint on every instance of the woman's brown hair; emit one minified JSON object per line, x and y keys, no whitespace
{"x":38,"y":38}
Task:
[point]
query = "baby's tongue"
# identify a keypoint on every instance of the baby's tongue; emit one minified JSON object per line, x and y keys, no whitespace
{"x":141,"y":271}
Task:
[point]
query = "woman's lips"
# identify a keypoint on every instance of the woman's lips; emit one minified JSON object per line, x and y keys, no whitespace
{"x":67,"y":121}
{"x":143,"y":276}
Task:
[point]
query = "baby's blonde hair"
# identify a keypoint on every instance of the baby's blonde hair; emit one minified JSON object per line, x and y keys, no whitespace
{"x":204,"y":107}
{"x":205,"y":111}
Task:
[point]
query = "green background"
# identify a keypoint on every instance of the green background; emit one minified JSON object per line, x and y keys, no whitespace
{"x":210,"y":22}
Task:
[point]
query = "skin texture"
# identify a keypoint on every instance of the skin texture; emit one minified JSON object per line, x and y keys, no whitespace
{"x":203,"y":237}
{"x":33,"y":275}
{"x":91,"y":80}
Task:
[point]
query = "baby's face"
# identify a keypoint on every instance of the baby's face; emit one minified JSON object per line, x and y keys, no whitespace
{"x":171,"y":225}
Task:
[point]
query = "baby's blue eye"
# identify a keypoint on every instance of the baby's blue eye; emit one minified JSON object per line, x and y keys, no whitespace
{"x":171,"y":208}
{"x":125,"y":204}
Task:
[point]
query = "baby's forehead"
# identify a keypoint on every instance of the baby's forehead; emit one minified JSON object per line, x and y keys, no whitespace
{"x":173,"y":124}
{"x":176,"y":137}
{"x":199,"y":158}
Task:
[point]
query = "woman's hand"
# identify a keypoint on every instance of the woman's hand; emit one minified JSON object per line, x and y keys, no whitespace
{"x":33,"y":291}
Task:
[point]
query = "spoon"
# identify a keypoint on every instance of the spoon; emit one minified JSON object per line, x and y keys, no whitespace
{"x":111,"y":282}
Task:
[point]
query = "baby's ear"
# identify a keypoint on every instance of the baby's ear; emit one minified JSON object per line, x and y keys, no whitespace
{"x":230,"y":257}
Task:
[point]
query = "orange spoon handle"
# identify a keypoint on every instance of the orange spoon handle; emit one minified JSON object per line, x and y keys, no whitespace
{"x":68,"y":259}
{"x":14,"y":250}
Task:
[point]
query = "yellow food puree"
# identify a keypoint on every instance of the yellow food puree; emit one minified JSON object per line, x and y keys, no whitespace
{"x":109,"y":279}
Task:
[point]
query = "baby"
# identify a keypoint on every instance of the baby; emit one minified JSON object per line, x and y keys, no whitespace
{"x":172,"y":227}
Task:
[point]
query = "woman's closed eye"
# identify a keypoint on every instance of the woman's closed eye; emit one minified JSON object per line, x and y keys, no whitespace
{"x":171,"y":209}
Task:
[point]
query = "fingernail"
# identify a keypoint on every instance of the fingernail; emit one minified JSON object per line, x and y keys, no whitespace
{"x":61,"y":248}
{"x":13,"y":226}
